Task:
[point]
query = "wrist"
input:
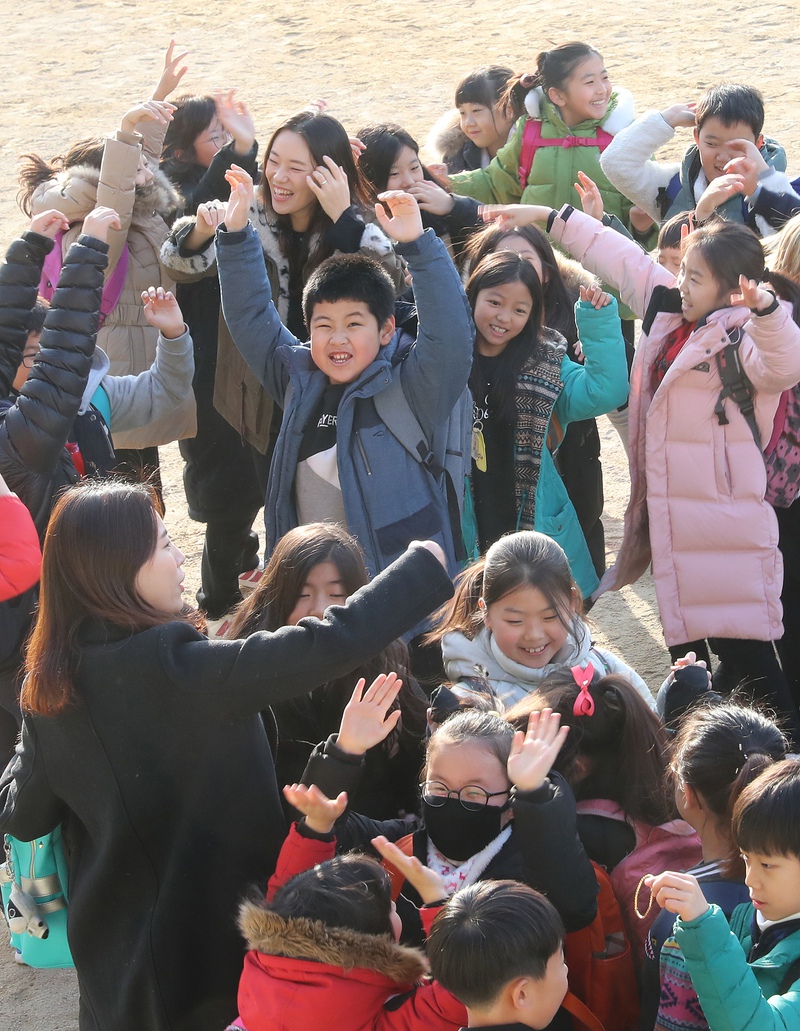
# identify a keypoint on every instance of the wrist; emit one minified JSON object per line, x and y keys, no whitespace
{"x":174,"y":332}
{"x":242,"y":145}
{"x":318,"y":825}
{"x":768,"y":308}
{"x":349,"y":747}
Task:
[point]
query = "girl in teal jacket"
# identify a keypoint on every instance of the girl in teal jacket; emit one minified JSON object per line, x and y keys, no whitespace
{"x":747,"y":975}
{"x":526,"y":391}
{"x":572,"y":116}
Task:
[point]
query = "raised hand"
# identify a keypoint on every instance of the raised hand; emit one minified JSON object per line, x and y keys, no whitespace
{"x":236,"y":120}
{"x":431,"y":197}
{"x":440,"y":173}
{"x":428,"y":884}
{"x":357,"y":147}
{"x":172,"y":74}
{"x":365,"y":722}
{"x":591,"y":201}
{"x":595,"y":296}
{"x":748,"y":162}
{"x":163,"y":311}
{"x":237,"y":211}
{"x":752,"y":295}
{"x":329,"y":183}
{"x":151,"y":110}
{"x":679,"y":115}
{"x":717,"y":192}
{"x":512,"y":216}
{"x":404,"y":222}
{"x":320,"y":812}
{"x":48,"y":223}
{"x":98,"y":222}
{"x":533,"y":753}
{"x":679,"y":893}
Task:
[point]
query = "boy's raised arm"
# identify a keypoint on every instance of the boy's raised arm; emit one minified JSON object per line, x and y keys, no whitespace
{"x":437,"y":368}
{"x":246,"y":296}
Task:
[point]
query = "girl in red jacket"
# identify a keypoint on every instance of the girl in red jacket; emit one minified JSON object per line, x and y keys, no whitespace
{"x":325,"y":940}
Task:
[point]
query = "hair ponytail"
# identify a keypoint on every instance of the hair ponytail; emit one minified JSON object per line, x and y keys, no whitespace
{"x":462,"y":613}
{"x":553,"y":68}
{"x":34,"y":170}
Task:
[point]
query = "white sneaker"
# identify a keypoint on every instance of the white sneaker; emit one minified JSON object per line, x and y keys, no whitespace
{"x":217,"y":628}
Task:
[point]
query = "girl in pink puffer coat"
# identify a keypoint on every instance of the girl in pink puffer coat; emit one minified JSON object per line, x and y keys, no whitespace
{"x":697,"y":508}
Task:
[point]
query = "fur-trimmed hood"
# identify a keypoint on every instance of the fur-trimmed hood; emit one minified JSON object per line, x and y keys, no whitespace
{"x":619,"y":115}
{"x":157,"y":198}
{"x":446,"y":140}
{"x":304,"y":939}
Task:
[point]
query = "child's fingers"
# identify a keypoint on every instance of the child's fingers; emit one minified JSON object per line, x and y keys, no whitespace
{"x":358,"y":690}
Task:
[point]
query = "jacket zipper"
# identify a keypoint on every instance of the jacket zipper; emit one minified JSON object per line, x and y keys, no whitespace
{"x":363,"y":452}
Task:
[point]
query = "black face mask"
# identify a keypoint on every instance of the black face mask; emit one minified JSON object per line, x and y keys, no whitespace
{"x":459,"y":833}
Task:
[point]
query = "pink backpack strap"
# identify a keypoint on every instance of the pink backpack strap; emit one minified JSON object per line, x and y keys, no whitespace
{"x":603,"y":139}
{"x":531,"y":140}
{"x":112,"y":289}
{"x":778,"y":422}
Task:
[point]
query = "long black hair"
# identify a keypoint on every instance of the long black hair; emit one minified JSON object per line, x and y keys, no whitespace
{"x":497,"y":270}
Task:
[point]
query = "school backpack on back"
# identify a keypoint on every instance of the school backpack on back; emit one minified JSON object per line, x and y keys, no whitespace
{"x":532,"y":139}
{"x":782,"y":453}
{"x":667,"y":846}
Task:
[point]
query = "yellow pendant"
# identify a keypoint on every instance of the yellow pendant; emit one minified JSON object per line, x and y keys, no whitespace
{"x":479,"y":449}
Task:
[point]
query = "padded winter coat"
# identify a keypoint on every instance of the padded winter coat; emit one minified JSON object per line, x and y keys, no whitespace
{"x":697,"y":507}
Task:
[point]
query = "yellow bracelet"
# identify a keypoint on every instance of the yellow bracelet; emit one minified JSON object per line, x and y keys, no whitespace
{"x":642,"y":916}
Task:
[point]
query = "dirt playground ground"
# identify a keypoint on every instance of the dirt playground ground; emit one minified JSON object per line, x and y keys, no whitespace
{"x":73,"y":67}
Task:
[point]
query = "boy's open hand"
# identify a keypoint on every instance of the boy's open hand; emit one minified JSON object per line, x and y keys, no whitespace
{"x":679,"y":115}
{"x":595,"y":296}
{"x":172,"y":74}
{"x":752,"y":295}
{"x":748,"y":163}
{"x":404,"y":222}
{"x":591,"y":201}
{"x":679,"y":893}
{"x":431,"y":197}
{"x":48,"y":223}
{"x":98,"y":222}
{"x":150,"y":111}
{"x":329,"y":183}
{"x":163,"y":311}
{"x":717,"y":192}
{"x":237,"y":212}
{"x":428,"y":884}
{"x":534,"y":752}
{"x":364,"y":721}
{"x":320,"y":812}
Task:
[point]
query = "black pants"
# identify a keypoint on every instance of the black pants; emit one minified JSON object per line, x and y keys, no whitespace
{"x":230,"y":548}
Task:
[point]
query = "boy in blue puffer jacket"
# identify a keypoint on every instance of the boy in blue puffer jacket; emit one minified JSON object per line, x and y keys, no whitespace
{"x":336,"y":458}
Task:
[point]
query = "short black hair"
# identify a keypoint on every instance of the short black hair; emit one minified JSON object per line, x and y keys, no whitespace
{"x":766,"y":816}
{"x":350,"y":277}
{"x":350,"y":891}
{"x":732,"y":103}
{"x":489,"y":934}
{"x":669,"y":235}
{"x":33,"y":322}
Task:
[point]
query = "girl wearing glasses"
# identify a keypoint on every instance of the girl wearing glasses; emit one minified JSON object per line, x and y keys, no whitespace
{"x":490,"y":808}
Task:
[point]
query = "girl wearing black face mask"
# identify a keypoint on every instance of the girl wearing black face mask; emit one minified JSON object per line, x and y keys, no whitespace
{"x":490,"y":808}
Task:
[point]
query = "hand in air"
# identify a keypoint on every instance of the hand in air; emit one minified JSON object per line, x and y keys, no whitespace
{"x":98,"y":222}
{"x":365,"y":722}
{"x":679,"y":893}
{"x":533,"y":753}
{"x":440,"y":173}
{"x":748,"y":162}
{"x":357,"y":147}
{"x":237,"y":212}
{"x":717,"y":192}
{"x":752,"y":295}
{"x":320,"y":812}
{"x":690,"y":659}
{"x":679,"y":115}
{"x":172,"y":74}
{"x":513,"y":216}
{"x":403,"y":222}
{"x":236,"y":120}
{"x":163,"y":311}
{"x":595,"y":296}
{"x":150,"y":111}
{"x":427,"y":883}
{"x":48,"y":223}
{"x":329,"y":183}
{"x":209,"y":216}
{"x":432,"y":197}
{"x":591,"y":200}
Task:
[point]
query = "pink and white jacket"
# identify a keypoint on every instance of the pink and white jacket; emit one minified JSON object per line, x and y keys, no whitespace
{"x":697,"y":507}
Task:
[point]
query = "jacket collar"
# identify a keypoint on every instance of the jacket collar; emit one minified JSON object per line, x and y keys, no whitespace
{"x":304,"y":939}
{"x":100,"y":366}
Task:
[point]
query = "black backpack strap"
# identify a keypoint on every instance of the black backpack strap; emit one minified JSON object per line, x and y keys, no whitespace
{"x":735,"y":385}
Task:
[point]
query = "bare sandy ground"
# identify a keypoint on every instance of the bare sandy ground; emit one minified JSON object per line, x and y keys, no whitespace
{"x":71,"y":69}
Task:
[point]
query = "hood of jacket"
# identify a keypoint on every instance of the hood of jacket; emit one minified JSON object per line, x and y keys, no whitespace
{"x":619,"y":115}
{"x":481,"y":659}
{"x":446,"y":139}
{"x":99,"y":369}
{"x":304,"y":939}
{"x":157,"y":198}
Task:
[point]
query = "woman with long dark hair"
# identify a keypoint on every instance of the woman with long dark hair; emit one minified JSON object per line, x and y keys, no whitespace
{"x":143,"y":739}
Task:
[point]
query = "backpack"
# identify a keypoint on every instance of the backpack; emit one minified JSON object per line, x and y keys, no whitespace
{"x":603,"y":994}
{"x":532,"y":139}
{"x":667,"y":846}
{"x":112,"y":288}
{"x":782,"y":453}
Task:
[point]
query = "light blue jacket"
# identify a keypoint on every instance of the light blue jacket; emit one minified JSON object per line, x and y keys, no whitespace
{"x":389,"y":498}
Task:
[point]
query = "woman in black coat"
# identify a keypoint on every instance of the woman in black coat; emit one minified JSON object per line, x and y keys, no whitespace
{"x":143,"y":739}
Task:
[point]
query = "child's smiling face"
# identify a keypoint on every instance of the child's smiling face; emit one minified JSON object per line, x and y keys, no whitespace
{"x":773,"y":883}
{"x":406,"y":170}
{"x":585,"y":94}
{"x":700,"y":292}
{"x":501,"y":313}
{"x":346,"y":338}
{"x":712,"y":140}
{"x":486,"y":127}
{"x":526,"y":628}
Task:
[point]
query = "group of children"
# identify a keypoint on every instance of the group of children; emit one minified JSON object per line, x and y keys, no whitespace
{"x":454,"y":368}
